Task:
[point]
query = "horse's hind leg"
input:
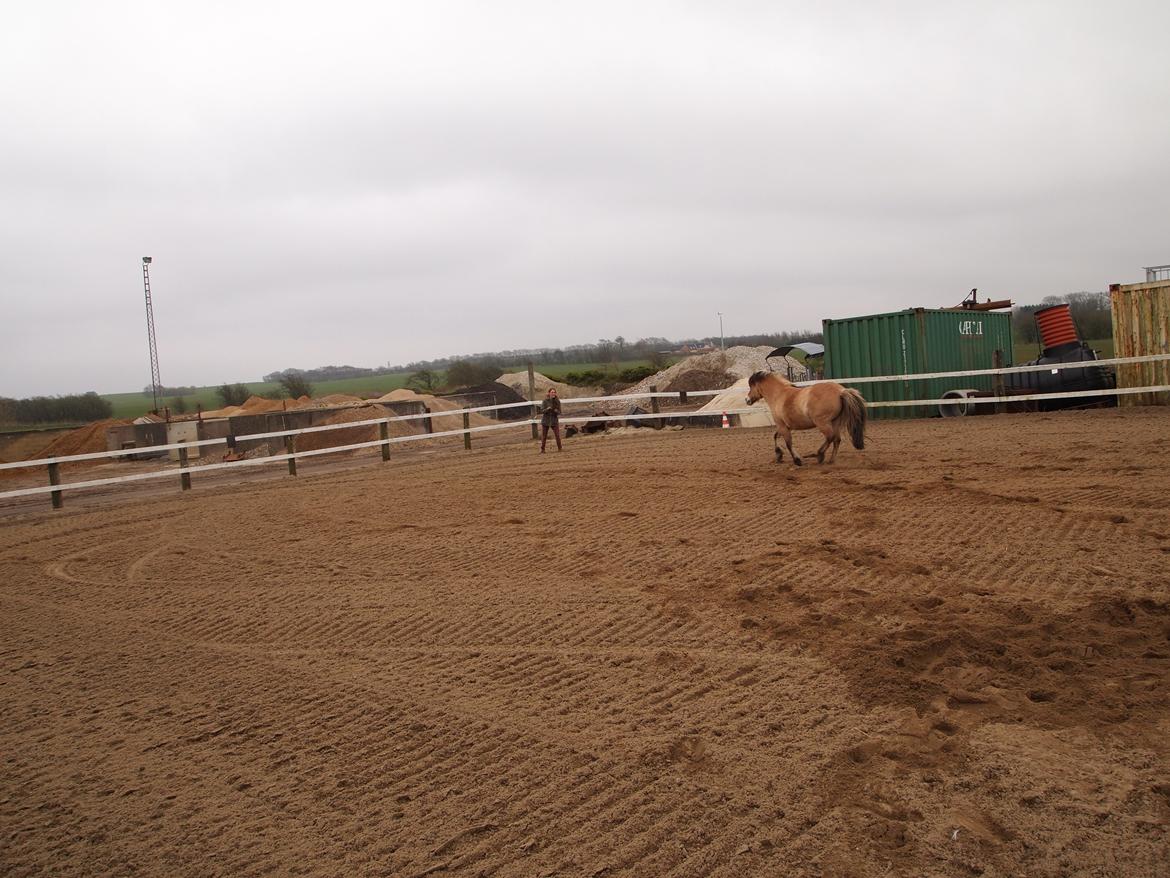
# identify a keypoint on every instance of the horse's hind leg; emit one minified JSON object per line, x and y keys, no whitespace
{"x":831,"y":438}
{"x":776,"y":443}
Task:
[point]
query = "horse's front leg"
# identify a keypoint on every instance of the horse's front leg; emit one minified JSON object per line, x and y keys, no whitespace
{"x":787,"y":435}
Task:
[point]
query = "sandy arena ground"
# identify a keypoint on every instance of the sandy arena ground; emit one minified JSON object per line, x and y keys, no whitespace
{"x":654,"y":655}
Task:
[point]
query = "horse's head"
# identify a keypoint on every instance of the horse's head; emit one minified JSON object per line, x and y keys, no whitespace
{"x":756,"y":387}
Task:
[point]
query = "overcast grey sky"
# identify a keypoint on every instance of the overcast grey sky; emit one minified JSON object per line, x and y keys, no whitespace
{"x":366,"y":183}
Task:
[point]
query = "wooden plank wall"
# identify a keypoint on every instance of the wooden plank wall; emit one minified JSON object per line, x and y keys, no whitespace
{"x":1141,"y":327}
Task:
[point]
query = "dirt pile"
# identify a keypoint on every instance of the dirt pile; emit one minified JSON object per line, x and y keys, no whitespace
{"x":735,"y":397}
{"x":700,"y":379}
{"x":27,"y":446}
{"x":354,"y":435}
{"x":437,"y":406}
{"x":258,"y":405}
{"x":503,"y":394}
{"x":518,"y":381}
{"x":338,"y":399}
{"x":737,"y":362}
{"x":89,"y":439}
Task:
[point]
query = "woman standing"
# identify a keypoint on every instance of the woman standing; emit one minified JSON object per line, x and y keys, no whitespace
{"x":550,"y":416}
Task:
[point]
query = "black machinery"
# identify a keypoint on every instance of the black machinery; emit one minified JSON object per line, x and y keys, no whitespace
{"x":1062,"y":344}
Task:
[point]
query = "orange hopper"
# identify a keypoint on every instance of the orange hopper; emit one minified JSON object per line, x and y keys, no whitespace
{"x":1056,"y":326}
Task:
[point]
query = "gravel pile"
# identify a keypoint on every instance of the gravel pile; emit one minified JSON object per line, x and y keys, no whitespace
{"x":739,"y":362}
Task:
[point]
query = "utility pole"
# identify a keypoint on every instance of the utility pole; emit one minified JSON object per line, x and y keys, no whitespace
{"x":155,"y":381}
{"x":720,"y":313}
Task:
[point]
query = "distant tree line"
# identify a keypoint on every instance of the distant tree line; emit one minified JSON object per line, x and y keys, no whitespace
{"x":328,"y":373}
{"x":71,"y":409}
{"x":1091,"y":312}
{"x":605,"y":350}
{"x":164,"y":390}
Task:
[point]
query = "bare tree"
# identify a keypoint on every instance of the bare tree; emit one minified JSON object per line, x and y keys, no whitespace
{"x":233,"y":394}
{"x":424,"y":381}
{"x":296,"y":385}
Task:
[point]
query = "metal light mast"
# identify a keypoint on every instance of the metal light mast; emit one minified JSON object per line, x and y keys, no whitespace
{"x":155,"y":381}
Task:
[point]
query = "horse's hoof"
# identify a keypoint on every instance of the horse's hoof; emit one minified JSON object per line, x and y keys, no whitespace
{"x":798,"y":461}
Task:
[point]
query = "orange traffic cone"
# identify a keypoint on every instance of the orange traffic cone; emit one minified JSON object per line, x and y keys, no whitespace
{"x":726,"y":423}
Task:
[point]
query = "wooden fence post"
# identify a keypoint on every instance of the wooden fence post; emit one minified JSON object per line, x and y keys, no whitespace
{"x":997,"y":383}
{"x":532,"y":395}
{"x":384,"y":435}
{"x":466,"y":427}
{"x":290,"y":447}
{"x":654,"y":407}
{"x":55,"y":479}
{"x":184,"y":478}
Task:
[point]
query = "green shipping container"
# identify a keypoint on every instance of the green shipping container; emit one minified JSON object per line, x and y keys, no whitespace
{"x":915,"y":341}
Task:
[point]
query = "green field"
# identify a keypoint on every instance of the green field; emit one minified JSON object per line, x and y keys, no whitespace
{"x":131,"y":405}
{"x":1030,"y":350}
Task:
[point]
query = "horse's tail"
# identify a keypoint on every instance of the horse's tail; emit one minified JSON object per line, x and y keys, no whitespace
{"x":852,"y":417}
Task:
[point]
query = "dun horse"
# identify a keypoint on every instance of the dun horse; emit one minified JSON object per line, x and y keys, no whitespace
{"x":828,"y":407}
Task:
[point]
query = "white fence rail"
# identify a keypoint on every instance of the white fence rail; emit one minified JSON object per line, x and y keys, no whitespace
{"x":55,"y":488}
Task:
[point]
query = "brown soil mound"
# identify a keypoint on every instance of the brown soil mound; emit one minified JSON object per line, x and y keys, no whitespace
{"x":353,"y":435}
{"x":701,"y":379}
{"x":738,"y":362}
{"x":504,"y":395}
{"x":437,"y":407}
{"x":84,"y":440}
{"x":399,"y":394}
{"x":255,"y":405}
{"x":518,"y":381}
{"x":339,"y":399}
{"x":27,"y":446}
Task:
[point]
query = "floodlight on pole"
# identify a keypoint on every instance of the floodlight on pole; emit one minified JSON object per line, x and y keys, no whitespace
{"x":720,"y":313}
{"x":155,"y":381}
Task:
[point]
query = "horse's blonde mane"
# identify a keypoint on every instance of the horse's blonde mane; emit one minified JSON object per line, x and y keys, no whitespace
{"x":763,"y":375}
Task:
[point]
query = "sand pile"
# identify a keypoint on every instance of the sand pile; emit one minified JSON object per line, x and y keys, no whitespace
{"x":401,"y":394}
{"x":738,"y":362}
{"x":258,"y":405}
{"x":518,"y":381}
{"x":338,"y":399}
{"x":700,"y":379}
{"x":369,"y":433}
{"x":353,"y":435}
{"x":735,"y":397}
{"x":27,"y":446}
{"x":89,"y":439}
{"x":437,"y":407}
{"x":504,"y":395}
{"x":253,"y":405}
